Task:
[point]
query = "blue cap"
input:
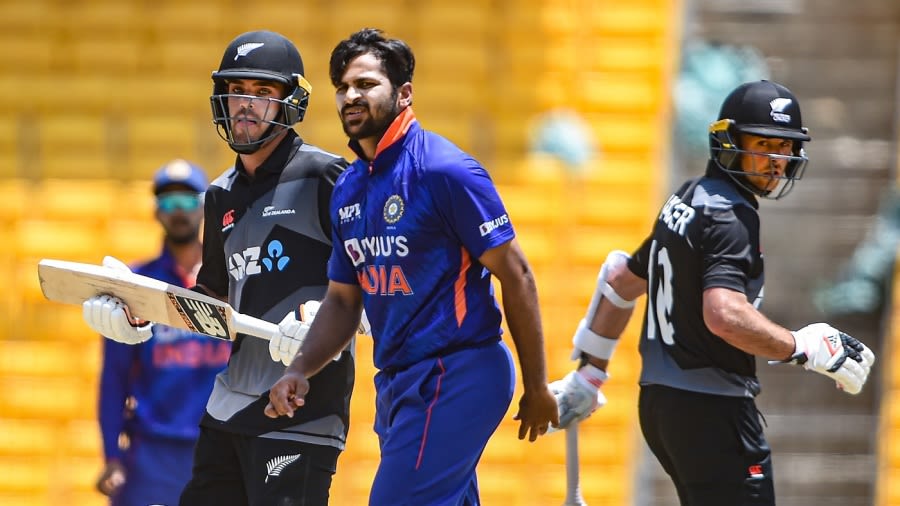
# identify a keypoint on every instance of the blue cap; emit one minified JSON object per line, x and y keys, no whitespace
{"x":180,"y":172}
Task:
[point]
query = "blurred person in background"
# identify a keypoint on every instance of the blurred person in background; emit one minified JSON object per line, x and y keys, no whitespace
{"x":702,"y":269}
{"x":153,"y":394}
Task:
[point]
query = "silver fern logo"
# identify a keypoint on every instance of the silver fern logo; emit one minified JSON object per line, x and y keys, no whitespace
{"x":276,"y":465}
{"x":244,"y":49}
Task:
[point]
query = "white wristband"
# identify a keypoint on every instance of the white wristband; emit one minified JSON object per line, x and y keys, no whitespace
{"x":587,"y":341}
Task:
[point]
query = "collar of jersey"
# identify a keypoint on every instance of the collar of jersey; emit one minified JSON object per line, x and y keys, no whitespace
{"x":394,"y":134}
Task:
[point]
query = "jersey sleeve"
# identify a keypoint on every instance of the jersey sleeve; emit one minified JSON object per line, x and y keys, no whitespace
{"x":213,"y":272}
{"x":467,"y":200}
{"x":340,"y":264}
{"x":638,"y":263}
{"x":726,"y":245}
{"x":326,"y":187}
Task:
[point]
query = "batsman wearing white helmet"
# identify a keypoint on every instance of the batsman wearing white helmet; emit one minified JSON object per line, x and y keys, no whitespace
{"x":702,"y":268}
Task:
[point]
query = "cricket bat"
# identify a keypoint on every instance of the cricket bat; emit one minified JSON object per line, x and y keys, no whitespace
{"x":149,"y":299}
{"x":573,"y":482}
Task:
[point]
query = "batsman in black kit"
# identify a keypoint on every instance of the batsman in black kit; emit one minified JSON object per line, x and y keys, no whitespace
{"x":702,"y":268}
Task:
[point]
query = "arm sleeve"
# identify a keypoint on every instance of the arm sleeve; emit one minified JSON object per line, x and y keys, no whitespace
{"x":468,"y":202}
{"x":213,"y":272}
{"x":115,"y":387}
{"x":726,"y":245}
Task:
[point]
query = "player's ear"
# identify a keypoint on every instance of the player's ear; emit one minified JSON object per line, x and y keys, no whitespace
{"x":404,"y":95}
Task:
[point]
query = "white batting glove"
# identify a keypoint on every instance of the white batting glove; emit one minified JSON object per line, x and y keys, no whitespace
{"x":108,"y":316}
{"x":578,"y":395}
{"x":826,"y":350}
{"x":283,"y":347}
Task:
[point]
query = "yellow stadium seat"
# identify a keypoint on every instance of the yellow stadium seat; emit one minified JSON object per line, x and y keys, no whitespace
{"x":50,"y":357}
{"x":25,"y":473}
{"x":157,"y":138}
{"x":28,"y":437}
{"x":10,"y":163}
{"x":62,"y":239}
{"x":621,"y":91}
{"x":83,"y":200}
{"x":201,"y":19}
{"x":74,"y":145}
{"x":634,"y":133}
{"x":135,"y":200}
{"x":15,"y":199}
{"x":132,"y":240}
{"x":26,"y":56}
{"x":81,"y":437}
{"x":47,"y":398}
{"x":639,"y":17}
{"x":106,"y":55}
{"x":626,"y":53}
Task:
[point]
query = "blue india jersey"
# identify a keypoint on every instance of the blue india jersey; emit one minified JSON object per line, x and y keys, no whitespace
{"x":408,"y":228}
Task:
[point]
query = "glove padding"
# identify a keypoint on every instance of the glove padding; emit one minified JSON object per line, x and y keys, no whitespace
{"x":826,"y":350}
{"x":283,"y":347}
{"x":577,"y":396}
{"x":107,"y":315}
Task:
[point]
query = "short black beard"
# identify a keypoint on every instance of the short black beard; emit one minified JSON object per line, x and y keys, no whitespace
{"x":370,"y":128}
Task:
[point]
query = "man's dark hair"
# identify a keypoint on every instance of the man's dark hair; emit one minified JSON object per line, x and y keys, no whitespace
{"x":395,"y":55}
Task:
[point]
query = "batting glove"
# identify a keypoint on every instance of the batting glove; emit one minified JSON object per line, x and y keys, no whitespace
{"x":826,"y":350}
{"x":292,"y":331}
{"x":578,"y":395}
{"x":108,"y":316}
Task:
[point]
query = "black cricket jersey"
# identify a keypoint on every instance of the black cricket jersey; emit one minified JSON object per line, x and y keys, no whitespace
{"x":706,"y":236}
{"x":266,"y":244}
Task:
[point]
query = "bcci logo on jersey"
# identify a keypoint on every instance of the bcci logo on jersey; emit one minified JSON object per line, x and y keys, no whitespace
{"x":489,"y":226}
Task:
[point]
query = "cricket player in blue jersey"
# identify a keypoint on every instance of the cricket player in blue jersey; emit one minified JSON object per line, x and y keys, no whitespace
{"x":154,"y":393}
{"x":418,"y":232}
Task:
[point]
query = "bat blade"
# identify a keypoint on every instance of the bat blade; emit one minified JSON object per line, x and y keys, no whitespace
{"x":148,"y":299}
{"x":573,"y":481}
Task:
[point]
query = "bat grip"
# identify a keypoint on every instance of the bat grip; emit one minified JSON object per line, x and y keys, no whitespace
{"x":256,"y":327}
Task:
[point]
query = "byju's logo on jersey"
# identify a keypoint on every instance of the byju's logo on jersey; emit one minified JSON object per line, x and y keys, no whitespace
{"x":489,"y":226}
{"x":354,"y":251}
{"x":349,"y":213}
{"x":393,"y":209}
{"x":778,"y":106}
{"x":247,"y":262}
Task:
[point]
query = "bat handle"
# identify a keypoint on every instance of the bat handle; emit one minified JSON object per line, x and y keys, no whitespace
{"x":573,"y":483}
{"x":254,"y":326}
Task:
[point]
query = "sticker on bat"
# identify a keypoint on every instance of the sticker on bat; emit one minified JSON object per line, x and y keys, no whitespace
{"x":201,"y":317}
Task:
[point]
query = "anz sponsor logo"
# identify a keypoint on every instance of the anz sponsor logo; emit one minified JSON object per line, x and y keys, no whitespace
{"x":677,"y":215}
{"x":349,"y":213}
{"x":256,"y":260}
{"x":489,"y":226}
